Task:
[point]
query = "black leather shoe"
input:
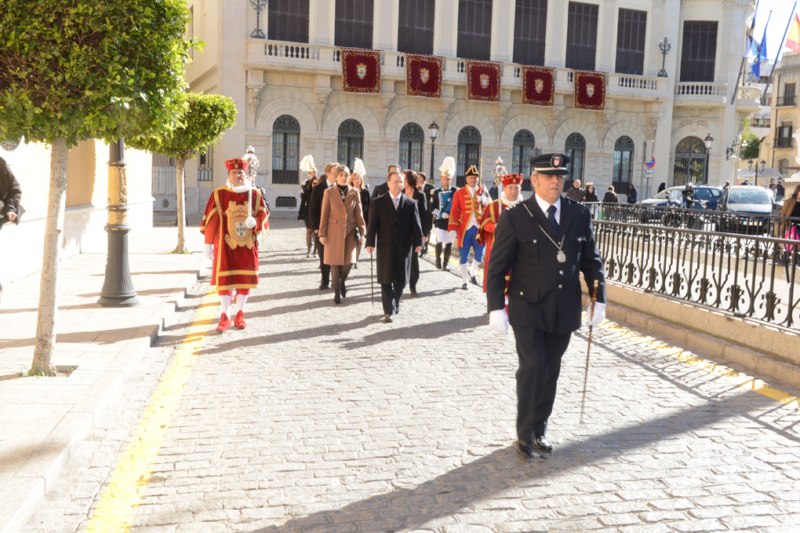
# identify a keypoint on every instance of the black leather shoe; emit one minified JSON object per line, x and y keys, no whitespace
{"x":542,"y":443}
{"x":323,"y":286}
{"x":337,"y":300}
{"x":413,"y":291}
{"x":464,"y":286}
{"x":525,"y":450}
{"x":473,"y":280}
{"x":388,"y":318}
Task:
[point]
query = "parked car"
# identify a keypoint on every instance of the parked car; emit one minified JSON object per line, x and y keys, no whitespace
{"x":652,"y":208}
{"x":748,"y":210}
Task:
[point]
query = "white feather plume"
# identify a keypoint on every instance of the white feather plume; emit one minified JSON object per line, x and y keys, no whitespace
{"x":358,"y":168}
{"x":307,"y":164}
{"x":448,"y":167}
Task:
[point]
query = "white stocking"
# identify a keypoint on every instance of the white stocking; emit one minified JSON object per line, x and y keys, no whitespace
{"x":225,"y":302}
{"x":241,"y":299}
{"x":464,"y":276}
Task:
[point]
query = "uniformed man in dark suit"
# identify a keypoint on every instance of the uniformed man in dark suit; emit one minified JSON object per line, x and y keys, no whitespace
{"x":383,"y":188}
{"x":394,"y":223}
{"x":545,"y":243}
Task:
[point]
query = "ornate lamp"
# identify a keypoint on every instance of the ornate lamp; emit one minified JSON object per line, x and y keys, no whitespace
{"x":665,"y":47}
{"x":258,"y":5}
{"x":433,"y":131}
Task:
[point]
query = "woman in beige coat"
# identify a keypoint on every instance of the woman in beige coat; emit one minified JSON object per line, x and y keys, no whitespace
{"x":341,"y":218}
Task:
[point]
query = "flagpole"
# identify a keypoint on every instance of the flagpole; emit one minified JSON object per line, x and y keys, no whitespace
{"x":744,"y":54}
{"x":778,"y":53}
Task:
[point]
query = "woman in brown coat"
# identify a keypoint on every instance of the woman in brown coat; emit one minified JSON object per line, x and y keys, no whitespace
{"x":340,"y":220}
{"x":791,"y":208}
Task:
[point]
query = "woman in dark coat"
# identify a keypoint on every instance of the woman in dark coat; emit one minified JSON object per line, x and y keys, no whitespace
{"x":302,"y":214}
{"x":411,"y":192}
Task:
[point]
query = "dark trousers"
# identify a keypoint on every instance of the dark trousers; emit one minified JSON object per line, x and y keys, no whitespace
{"x":414,"y":277}
{"x":539,"y":365}
{"x":323,"y":268}
{"x":390,"y":297}
{"x":339,"y":275}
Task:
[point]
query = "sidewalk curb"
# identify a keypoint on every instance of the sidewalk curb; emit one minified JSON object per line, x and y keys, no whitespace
{"x":25,"y":492}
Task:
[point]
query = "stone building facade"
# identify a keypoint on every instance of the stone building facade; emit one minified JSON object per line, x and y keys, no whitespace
{"x":288,"y":87}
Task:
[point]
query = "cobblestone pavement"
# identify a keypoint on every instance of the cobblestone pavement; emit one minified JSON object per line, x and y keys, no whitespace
{"x":321,"y":418}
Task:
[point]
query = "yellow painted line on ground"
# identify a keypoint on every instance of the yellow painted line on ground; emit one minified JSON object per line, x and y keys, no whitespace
{"x":741,"y":379}
{"x":116,"y":508}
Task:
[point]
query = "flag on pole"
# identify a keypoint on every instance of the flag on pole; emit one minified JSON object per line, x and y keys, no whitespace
{"x":761,"y":55}
{"x":793,"y":40}
{"x":749,"y":44}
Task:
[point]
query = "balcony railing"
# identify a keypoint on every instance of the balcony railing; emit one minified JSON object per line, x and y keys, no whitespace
{"x":327,"y":60}
{"x":783,"y":142}
{"x":786,"y":100}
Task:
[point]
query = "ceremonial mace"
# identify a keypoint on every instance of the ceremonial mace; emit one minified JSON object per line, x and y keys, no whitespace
{"x":588,"y":349}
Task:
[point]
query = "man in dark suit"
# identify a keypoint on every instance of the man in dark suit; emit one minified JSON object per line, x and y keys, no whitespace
{"x":383,"y":188}
{"x":545,"y":243}
{"x":394,"y":221}
{"x":314,"y":215}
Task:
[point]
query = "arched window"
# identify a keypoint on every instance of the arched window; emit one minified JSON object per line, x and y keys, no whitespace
{"x":522,"y":152}
{"x":411,"y":139}
{"x":469,"y":153}
{"x":575,"y":148}
{"x":285,"y":146}
{"x":623,"y":164}
{"x":690,"y":161}
{"x":350,"y":143}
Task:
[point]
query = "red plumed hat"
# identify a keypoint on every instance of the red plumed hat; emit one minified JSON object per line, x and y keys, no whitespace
{"x":512,"y":179}
{"x":236,"y":163}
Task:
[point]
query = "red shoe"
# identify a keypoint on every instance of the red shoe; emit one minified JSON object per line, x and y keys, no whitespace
{"x":238,"y":320}
{"x":224,"y":323}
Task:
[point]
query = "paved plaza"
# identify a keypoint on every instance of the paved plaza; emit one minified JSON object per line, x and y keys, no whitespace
{"x":322,"y":418}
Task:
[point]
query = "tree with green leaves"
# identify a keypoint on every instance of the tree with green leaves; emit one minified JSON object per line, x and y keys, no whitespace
{"x":751,"y":145}
{"x":83,"y":69}
{"x":205,"y":119}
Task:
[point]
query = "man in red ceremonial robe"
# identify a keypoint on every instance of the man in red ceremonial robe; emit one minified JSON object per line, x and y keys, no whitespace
{"x":231,"y":229}
{"x":509,"y":197}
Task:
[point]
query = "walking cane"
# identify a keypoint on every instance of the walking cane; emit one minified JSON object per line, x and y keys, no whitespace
{"x":588,"y":349}
{"x":371,"y":282}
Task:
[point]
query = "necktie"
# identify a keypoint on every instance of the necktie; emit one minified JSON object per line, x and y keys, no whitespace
{"x":396,"y":200}
{"x":551,"y":217}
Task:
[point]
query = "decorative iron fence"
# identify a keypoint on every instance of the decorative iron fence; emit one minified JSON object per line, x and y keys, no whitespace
{"x":746,"y":276}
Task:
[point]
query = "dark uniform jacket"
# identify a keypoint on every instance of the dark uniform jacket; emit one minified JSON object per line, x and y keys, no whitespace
{"x":305,"y":197}
{"x":435,"y":206}
{"x":10,"y":193}
{"x":397,"y":232}
{"x":543,"y":293}
{"x":425,"y":218}
{"x":315,"y":203}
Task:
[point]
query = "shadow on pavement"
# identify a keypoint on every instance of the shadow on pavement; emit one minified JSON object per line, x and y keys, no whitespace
{"x":502,"y":470}
{"x":112,"y":336}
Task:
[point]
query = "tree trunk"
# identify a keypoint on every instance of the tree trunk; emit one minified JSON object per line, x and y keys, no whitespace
{"x":48,"y":289}
{"x":181,"y":248}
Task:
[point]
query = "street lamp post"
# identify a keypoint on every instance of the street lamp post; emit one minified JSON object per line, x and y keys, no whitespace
{"x":709,"y":140}
{"x":433,"y":131}
{"x":258,"y":5}
{"x":665,"y":47}
{"x":759,"y":166}
{"x":118,"y":288}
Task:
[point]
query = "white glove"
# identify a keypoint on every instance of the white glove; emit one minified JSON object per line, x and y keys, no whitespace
{"x":453,"y":235}
{"x":498,"y":319}
{"x":445,"y":215}
{"x":209,"y":251}
{"x":599,"y":314}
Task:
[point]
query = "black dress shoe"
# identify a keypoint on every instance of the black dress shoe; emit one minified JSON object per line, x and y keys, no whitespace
{"x":525,"y":450}
{"x":337,"y":300}
{"x":388,"y":318}
{"x":473,"y":280}
{"x":413,"y":291}
{"x":323,"y":286}
{"x":542,"y":443}
{"x":464,"y":286}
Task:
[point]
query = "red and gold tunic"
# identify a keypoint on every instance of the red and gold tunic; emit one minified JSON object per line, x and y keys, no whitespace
{"x":235,"y":264}
{"x":464,"y":204}
{"x":488,"y":223}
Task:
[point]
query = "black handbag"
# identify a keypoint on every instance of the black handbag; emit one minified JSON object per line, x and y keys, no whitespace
{"x":358,"y":235}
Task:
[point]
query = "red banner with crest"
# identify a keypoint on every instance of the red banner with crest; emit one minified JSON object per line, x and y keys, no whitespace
{"x":590,"y":90}
{"x":483,"y":81}
{"x":361,"y":70}
{"x":423,"y":76}
{"x":538,"y":85}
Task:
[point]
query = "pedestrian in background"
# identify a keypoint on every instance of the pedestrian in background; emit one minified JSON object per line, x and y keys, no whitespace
{"x":633,"y":195}
{"x":589,"y":195}
{"x":341,"y":226}
{"x":315,"y":214}
{"x":395,"y":231}
{"x":610,"y":197}
{"x":575,"y":193}
{"x":790,"y":216}
{"x":307,"y":166}
{"x":10,"y":194}
{"x":411,"y":190}
{"x":357,"y":182}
